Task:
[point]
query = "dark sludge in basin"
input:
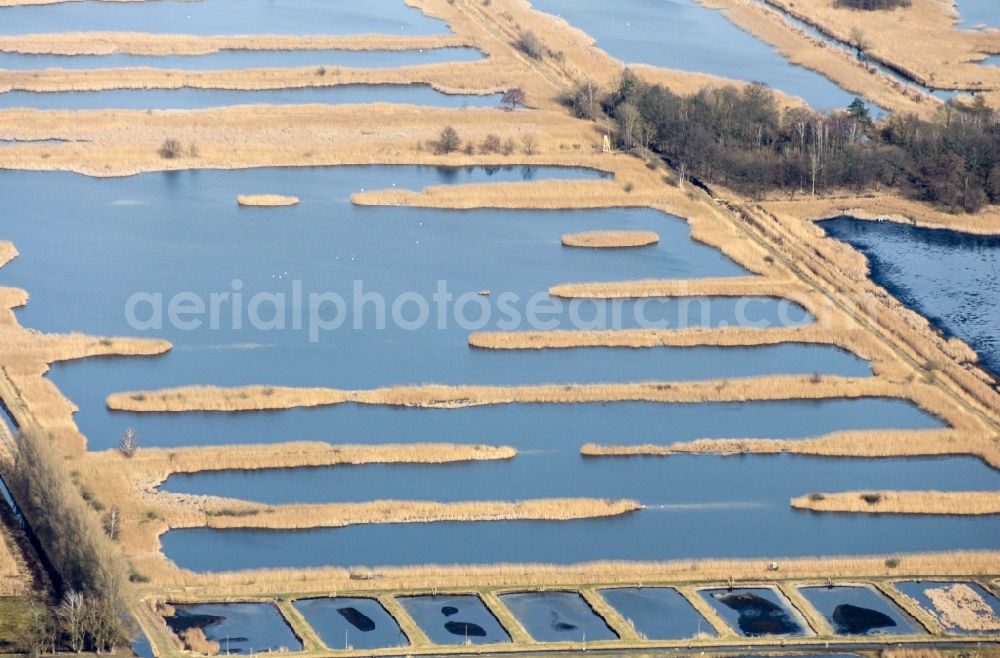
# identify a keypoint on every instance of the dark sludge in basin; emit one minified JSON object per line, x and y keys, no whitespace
{"x":854,"y":620}
{"x":465,"y":629}
{"x":757,"y":615}
{"x":449,"y":610}
{"x":352,"y":622}
{"x":357,"y":619}
{"x":184,"y":620}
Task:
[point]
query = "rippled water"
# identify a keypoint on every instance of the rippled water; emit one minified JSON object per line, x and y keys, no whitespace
{"x":947,"y":276}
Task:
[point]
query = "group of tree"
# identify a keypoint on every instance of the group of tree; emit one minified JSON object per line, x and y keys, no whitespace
{"x":90,"y":571}
{"x":741,"y":138}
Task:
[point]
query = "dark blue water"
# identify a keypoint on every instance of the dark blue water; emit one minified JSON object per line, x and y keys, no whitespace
{"x":917,"y":591}
{"x":947,"y":276}
{"x":658,"y":613}
{"x":697,"y":506}
{"x":454,"y":619}
{"x":858,"y":610}
{"x":219,"y":17}
{"x":188,"y":98}
{"x":754,"y":612}
{"x":244,"y":59}
{"x":682,"y":34}
{"x":241,"y":628}
{"x":356,"y":623}
{"x":557,"y":617}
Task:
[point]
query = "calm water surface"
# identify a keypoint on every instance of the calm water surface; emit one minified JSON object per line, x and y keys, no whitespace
{"x":244,"y":59}
{"x":682,"y":34}
{"x":946,"y":276}
{"x":222,"y":17}
{"x":357,"y":623}
{"x":557,"y":617}
{"x":979,"y":12}
{"x":454,"y":619}
{"x":241,"y":628}
{"x":697,"y":506}
{"x":658,"y":613}
{"x":188,"y":98}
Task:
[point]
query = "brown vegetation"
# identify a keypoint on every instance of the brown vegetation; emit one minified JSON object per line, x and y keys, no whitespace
{"x":610,"y":239}
{"x":220,"y":513}
{"x":903,"y":502}
{"x":266,"y":200}
{"x":962,"y":607}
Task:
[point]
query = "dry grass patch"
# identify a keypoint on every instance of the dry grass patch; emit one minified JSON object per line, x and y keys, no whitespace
{"x":610,"y":239}
{"x":266,"y":200}
{"x":961,"y":606}
{"x":961,"y":503}
{"x":259,"y":398}
{"x":220,"y":513}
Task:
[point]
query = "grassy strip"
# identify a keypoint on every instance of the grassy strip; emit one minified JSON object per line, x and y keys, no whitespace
{"x":257,"y":398}
{"x":962,"y":503}
{"x":610,"y":239}
{"x":223,"y":513}
{"x":614,"y":619}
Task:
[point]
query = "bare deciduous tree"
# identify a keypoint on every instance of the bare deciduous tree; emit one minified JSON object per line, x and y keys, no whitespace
{"x":129,"y":444}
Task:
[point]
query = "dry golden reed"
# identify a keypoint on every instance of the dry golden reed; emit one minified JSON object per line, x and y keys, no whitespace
{"x":610,"y":239}
{"x":266,"y":200}
{"x":956,"y":503}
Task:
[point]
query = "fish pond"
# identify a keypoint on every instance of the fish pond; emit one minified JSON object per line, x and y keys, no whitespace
{"x":858,"y":610}
{"x":355,"y":623}
{"x":557,"y":617}
{"x":455,"y":619}
{"x":658,"y":613}
{"x":241,"y":628}
{"x":756,"y":612}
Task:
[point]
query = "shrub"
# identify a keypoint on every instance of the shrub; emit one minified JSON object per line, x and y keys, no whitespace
{"x":873,"y":5}
{"x":530,"y":144}
{"x":170,"y":149}
{"x":512,"y":98}
{"x":531,"y":45}
{"x":871,"y":498}
{"x":816,"y":497}
{"x":491,"y":144}
{"x":449,"y":141}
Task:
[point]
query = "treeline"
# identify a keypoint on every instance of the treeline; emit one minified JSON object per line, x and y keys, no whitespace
{"x":740,"y":138}
{"x":91,"y":614}
{"x":873,"y":5}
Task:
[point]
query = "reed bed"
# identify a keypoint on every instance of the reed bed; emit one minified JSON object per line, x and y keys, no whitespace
{"x":260,"y":398}
{"x":238,"y":514}
{"x":266,"y":200}
{"x":961,"y":606}
{"x":480,"y":77}
{"x":858,"y":443}
{"x":610,"y":239}
{"x":691,"y":337}
{"x":439,"y":577}
{"x":708,"y":287}
{"x":957,"y":503}
{"x":151,"y":44}
{"x":14,"y":572}
{"x":301,"y":454}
